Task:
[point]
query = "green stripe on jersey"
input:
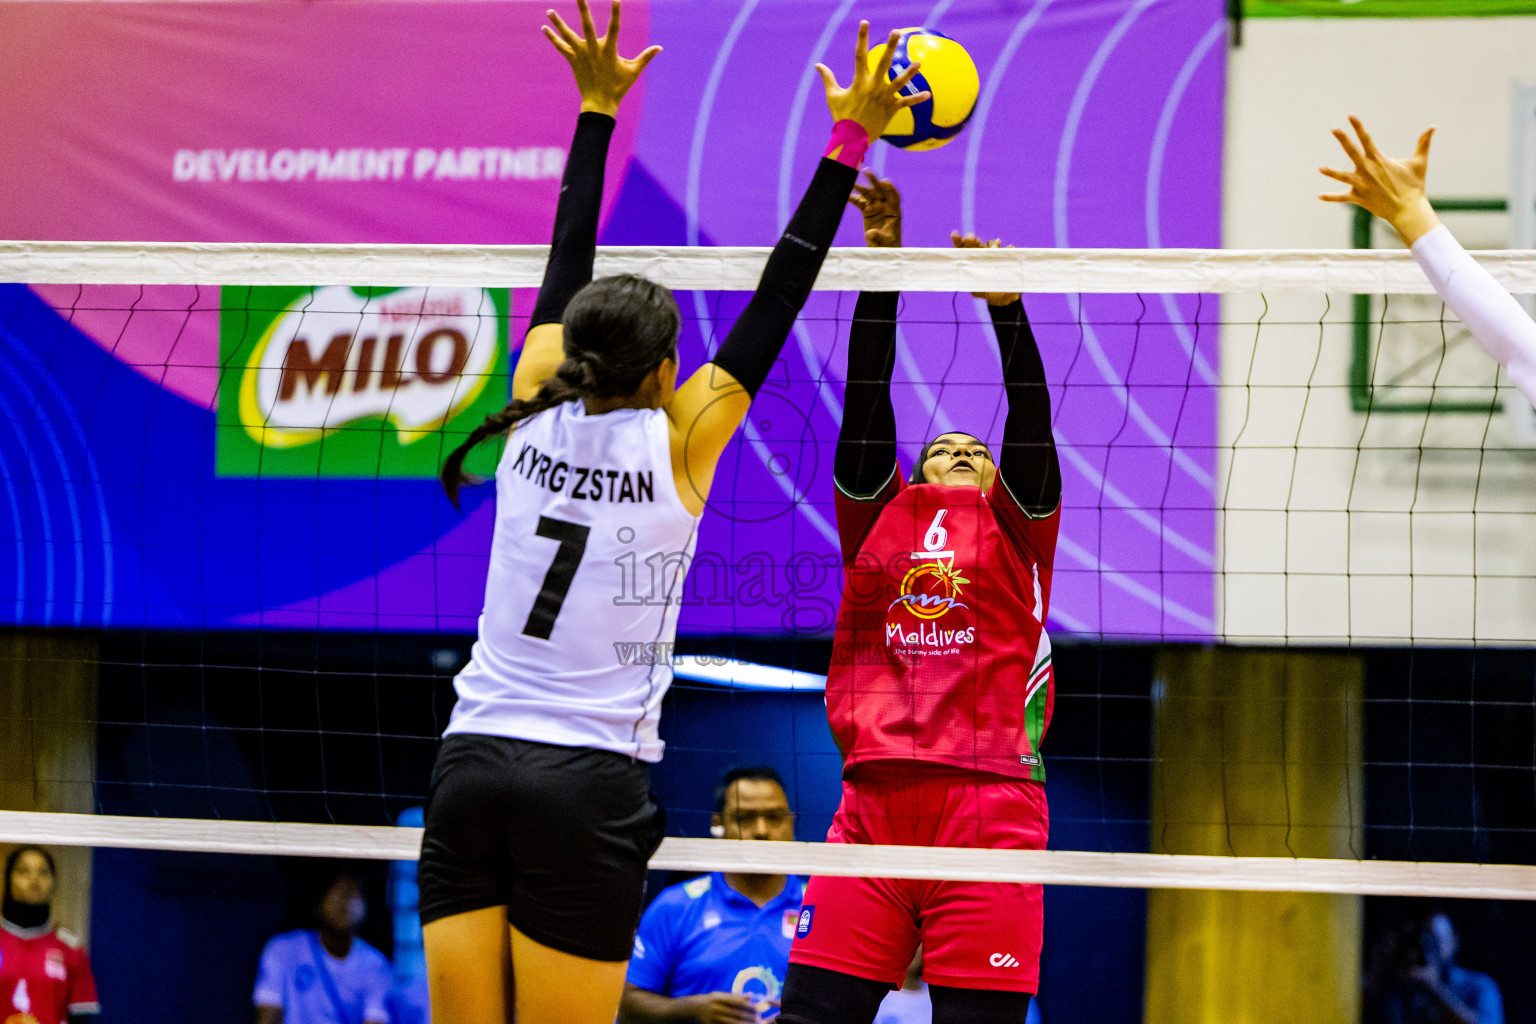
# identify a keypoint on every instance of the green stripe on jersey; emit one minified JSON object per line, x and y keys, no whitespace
{"x":1034,"y":728}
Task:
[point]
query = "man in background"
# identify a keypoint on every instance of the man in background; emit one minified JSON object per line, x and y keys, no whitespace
{"x":1414,"y":979}
{"x":713,"y":950}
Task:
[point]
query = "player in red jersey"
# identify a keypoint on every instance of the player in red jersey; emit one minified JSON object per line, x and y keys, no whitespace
{"x":45,"y":975}
{"x":940,"y":689}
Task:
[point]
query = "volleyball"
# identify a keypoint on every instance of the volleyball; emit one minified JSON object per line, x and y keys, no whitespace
{"x":948,"y":73}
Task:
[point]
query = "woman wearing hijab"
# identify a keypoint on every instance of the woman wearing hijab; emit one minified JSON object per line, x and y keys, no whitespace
{"x":45,"y":974}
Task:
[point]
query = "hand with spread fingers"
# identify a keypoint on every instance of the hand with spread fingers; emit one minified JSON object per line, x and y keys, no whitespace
{"x":1392,"y":189}
{"x":970,"y":241}
{"x":873,"y":97}
{"x":601,"y":74}
{"x":880,"y":203}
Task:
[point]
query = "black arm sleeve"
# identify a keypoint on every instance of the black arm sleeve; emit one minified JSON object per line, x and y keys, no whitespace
{"x":1028,"y":463}
{"x":750,"y":350}
{"x":574,"y":245}
{"x":866,"y":444}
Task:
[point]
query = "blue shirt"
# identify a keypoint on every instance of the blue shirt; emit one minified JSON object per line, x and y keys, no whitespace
{"x":703,"y":936}
{"x":1406,"y":1003}
{"x":1479,"y":992}
{"x":290,"y":978}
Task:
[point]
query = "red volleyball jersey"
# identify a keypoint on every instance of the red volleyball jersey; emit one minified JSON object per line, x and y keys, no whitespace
{"x":45,"y":976}
{"x":941,"y":652}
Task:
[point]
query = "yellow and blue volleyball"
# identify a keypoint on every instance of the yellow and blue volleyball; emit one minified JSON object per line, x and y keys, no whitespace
{"x":948,"y":74}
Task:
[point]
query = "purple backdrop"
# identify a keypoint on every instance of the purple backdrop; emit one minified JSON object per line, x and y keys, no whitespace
{"x":1099,"y":124}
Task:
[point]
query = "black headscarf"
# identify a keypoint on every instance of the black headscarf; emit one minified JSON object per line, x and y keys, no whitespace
{"x":25,"y":915}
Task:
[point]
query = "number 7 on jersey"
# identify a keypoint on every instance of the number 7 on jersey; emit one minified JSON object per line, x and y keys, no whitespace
{"x":557,"y":581}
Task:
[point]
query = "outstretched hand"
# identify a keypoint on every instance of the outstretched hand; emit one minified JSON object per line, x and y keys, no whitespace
{"x":880,"y":203}
{"x":601,"y":74}
{"x":872,"y":98}
{"x":1392,"y":189}
{"x":970,"y":241}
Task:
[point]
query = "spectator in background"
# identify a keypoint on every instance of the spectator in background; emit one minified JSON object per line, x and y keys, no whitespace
{"x":45,"y":975}
{"x":713,"y":950}
{"x":1414,"y":979}
{"x":325,"y":974}
{"x":408,"y":1002}
{"x":912,"y":1003}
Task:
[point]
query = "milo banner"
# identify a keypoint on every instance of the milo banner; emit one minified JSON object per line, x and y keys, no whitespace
{"x":354,"y":382}
{"x":190,"y":457}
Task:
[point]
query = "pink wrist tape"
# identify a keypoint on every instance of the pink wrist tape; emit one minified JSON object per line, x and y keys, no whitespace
{"x":849,"y":143}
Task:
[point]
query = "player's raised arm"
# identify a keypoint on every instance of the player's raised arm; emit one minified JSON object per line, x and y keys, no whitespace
{"x":603,"y":77}
{"x":707,"y":409}
{"x":1394,"y":190}
{"x":1027,"y":464}
{"x":866,"y":443}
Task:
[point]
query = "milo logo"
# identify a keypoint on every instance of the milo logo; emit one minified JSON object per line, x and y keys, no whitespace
{"x":339,"y":381}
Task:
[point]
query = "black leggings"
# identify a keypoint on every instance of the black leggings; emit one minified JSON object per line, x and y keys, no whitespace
{"x":814,"y":995}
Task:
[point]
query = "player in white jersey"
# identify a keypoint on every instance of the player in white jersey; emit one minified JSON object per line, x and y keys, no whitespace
{"x":1394,"y":190}
{"x":539,"y":823}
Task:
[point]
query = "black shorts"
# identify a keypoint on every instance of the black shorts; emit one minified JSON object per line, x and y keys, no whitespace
{"x":560,"y":836}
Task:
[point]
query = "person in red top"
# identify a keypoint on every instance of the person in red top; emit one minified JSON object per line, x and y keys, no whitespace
{"x":941,"y":684}
{"x":45,"y":975}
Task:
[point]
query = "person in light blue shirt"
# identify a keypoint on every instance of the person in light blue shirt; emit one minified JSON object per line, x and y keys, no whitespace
{"x":325,"y":974}
{"x":714,"y":950}
{"x":912,"y":1003}
{"x":408,"y":1003}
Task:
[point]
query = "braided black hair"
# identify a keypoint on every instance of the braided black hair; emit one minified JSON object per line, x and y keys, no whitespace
{"x":617,"y":331}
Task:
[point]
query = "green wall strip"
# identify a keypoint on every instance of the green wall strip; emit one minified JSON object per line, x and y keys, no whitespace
{"x":1385,"y":8}
{"x":1362,"y":393}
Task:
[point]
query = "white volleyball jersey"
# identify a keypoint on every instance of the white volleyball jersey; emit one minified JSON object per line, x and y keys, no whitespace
{"x":587,"y":563}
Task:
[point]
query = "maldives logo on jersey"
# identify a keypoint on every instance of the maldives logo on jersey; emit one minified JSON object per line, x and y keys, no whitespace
{"x":931,"y":599}
{"x":931,"y":589}
{"x":339,"y":381}
{"x":762,"y":986}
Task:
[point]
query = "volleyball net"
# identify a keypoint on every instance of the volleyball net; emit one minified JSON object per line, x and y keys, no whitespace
{"x":1291,"y":601}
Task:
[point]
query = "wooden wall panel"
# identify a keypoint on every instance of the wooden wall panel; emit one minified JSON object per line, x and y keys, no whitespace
{"x":48,"y":746}
{"x":1257,"y":753}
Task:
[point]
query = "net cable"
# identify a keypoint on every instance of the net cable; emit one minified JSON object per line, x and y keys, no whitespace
{"x":737,"y":268}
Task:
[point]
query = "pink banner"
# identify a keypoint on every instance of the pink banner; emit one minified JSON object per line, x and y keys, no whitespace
{"x":336,"y":122}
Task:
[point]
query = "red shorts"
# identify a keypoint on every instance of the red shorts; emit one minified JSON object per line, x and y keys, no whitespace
{"x":982,"y":935}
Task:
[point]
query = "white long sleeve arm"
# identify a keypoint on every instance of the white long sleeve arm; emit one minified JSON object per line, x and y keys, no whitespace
{"x":1493,"y":316}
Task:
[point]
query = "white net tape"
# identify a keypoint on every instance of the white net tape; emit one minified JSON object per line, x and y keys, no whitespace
{"x":736,"y":268}
{"x":1050,"y":867}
